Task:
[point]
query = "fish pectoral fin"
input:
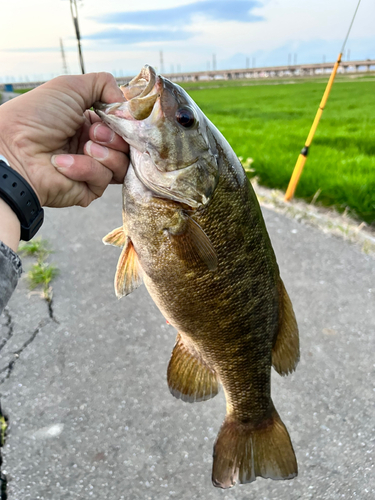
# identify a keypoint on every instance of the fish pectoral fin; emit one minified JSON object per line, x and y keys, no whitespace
{"x":243,"y":451}
{"x":193,"y":244}
{"x":128,"y":273}
{"x":117,"y":237}
{"x":189,"y":377}
{"x":285,"y":352}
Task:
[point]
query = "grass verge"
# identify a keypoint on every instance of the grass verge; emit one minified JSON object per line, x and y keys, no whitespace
{"x":270,"y":123}
{"x":3,"y":432}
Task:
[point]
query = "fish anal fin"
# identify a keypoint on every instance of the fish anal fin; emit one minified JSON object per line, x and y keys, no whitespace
{"x":128,"y":273}
{"x":285,"y":352}
{"x":189,"y":377}
{"x":192,"y":244}
{"x":117,"y":237}
{"x":243,"y":451}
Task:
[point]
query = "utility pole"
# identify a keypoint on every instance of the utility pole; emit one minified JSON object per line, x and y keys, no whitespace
{"x":161,"y":62}
{"x":74,"y":11}
{"x":213,"y":62}
{"x":65,"y":67}
{"x":247,"y":63}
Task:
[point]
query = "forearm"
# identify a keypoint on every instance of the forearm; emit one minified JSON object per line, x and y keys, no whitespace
{"x":10,"y":264}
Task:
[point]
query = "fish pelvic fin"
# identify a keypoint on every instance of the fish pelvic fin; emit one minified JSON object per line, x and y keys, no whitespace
{"x":192,"y":244}
{"x":117,"y":237}
{"x":243,"y":451}
{"x":285,"y":352}
{"x":188,"y":375}
{"x":128,"y":273}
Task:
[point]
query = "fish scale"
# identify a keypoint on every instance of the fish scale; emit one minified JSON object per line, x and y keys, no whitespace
{"x":194,"y":233}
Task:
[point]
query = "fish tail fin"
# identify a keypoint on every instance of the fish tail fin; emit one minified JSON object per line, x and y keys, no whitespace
{"x":243,"y":451}
{"x":285,"y":352}
{"x":189,"y":378}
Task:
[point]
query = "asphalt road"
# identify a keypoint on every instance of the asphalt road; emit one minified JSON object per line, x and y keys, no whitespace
{"x":7,"y":96}
{"x":84,"y":385}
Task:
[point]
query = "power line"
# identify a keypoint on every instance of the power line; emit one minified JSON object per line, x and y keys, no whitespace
{"x":74,"y":11}
{"x":65,"y":66}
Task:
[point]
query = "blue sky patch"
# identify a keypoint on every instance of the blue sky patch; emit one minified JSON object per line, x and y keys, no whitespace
{"x":133,"y":36}
{"x":214,"y":10}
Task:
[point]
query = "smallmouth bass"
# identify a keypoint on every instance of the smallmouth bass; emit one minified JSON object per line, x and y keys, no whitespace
{"x":193,"y":232}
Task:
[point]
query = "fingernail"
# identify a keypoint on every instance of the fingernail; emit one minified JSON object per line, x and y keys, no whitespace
{"x":103,"y":133}
{"x":62,"y":161}
{"x":96,"y":151}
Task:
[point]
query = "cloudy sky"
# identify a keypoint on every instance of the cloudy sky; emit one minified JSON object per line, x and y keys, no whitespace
{"x":120,"y":36}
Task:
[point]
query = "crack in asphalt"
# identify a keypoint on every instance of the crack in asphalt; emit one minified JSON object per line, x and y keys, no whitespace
{"x":9,"y":326}
{"x":50,"y":311}
{"x":9,"y":368}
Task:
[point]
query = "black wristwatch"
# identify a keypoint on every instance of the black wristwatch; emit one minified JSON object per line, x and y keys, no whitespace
{"x":22,"y":199}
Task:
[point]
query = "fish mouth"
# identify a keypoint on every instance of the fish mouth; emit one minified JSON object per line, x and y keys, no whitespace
{"x":140,"y":94}
{"x":141,"y":85}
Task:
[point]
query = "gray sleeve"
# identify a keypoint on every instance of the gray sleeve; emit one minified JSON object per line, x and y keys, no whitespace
{"x":10,"y":271}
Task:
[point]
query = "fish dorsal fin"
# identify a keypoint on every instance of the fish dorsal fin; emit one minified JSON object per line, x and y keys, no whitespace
{"x":128,"y":273}
{"x":285,"y":352}
{"x":194,"y":245}
{"x":117,"y":237}
{"x":189,"y":377}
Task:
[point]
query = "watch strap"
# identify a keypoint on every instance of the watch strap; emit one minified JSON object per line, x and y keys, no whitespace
{"x":22,"y":199}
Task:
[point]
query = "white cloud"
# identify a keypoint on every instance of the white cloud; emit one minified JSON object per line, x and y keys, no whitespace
{"x":309,"y":29}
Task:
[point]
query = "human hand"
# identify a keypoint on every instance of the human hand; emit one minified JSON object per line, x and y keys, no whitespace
{"x":62,"y":149}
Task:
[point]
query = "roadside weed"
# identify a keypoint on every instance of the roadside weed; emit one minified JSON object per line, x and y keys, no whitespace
{"x":41,"y":273}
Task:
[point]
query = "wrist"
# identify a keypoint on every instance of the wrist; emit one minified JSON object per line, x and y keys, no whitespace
{"x":9,"y":158}
{"x":10,"y":227}
{"x":17,"y":193}
{"x":14,"y":148}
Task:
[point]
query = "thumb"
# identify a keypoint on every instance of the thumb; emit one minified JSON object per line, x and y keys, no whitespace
{"x":88,"y":88}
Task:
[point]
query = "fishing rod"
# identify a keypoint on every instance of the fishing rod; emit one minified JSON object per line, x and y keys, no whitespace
{"x":304,"y":152}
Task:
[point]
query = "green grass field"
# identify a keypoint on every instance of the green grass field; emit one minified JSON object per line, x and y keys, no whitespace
{"x":270,"y":123}
{"x":21,"y":91}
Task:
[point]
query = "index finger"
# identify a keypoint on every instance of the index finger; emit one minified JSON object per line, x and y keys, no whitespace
{"x":89,"y":88}
{"x":101,"y":87}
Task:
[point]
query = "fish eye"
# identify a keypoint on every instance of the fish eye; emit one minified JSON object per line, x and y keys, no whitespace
{"x":185,"y":117}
